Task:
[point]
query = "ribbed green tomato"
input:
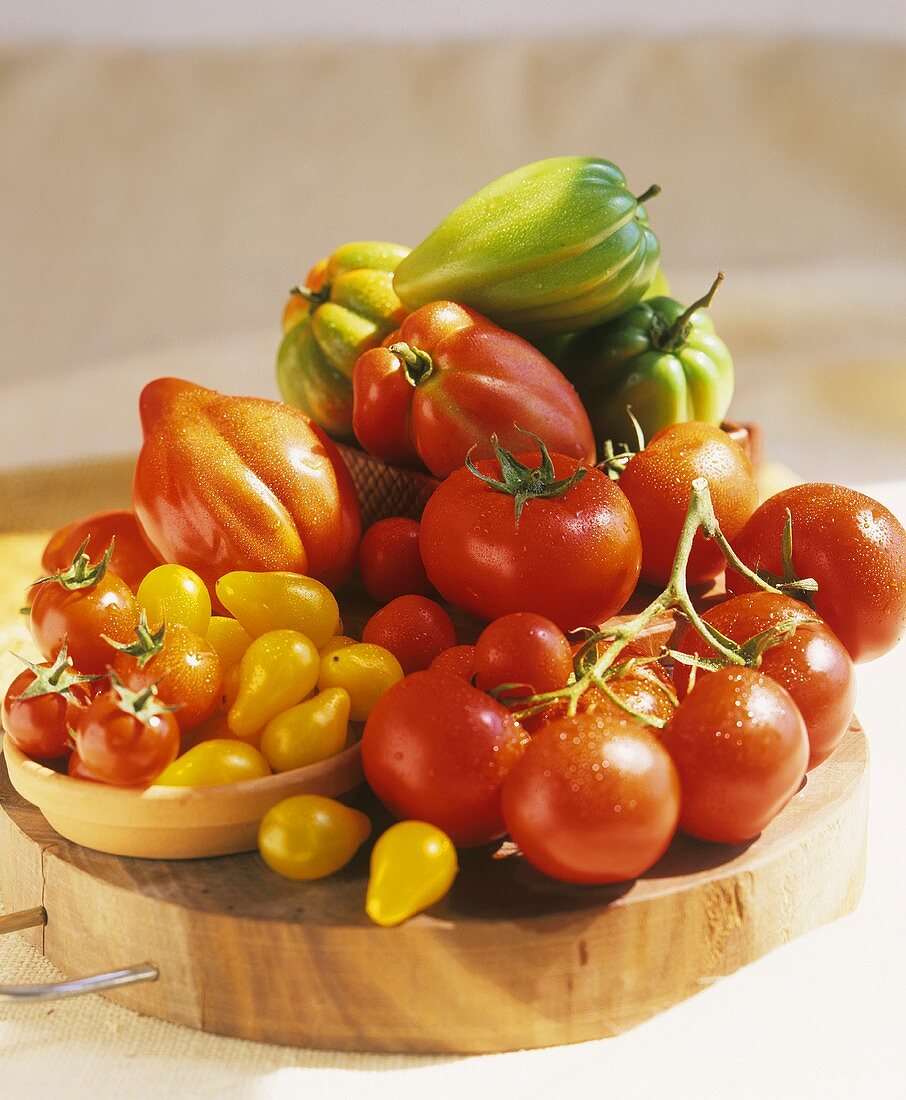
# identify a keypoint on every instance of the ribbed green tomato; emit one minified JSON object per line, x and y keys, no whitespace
{"x":346,"y":306}
{"x":556,"y":246}
{"x":660,"y":359}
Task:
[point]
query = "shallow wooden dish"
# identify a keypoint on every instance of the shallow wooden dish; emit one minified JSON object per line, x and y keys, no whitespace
{"x":171,"y":822}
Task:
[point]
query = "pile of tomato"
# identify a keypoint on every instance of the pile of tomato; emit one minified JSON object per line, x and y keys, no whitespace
{"x":196,"y":639}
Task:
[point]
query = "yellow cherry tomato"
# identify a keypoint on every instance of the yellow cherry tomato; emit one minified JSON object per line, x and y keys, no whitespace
{"x":307,"y":733}
{"x":173,"y":594}
{"x":229,"y":639}
{"x":338,"y":641}
{"x":309,"y":836}
{"x":364,"y":670}
{"x":211,"y":763}
{"x":280,"y":601}
{"x":413,"y":865}
{"x":277,"y":671}
{"x":339,"y":627}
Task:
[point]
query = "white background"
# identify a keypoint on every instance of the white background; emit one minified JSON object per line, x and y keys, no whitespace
{"x":219,"y":21}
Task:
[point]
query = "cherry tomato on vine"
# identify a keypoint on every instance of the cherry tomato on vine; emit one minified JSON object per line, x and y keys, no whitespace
{"x":414,"y":629}
{"x":41,"y":704}
{"x":524,"y":649}
{"x":126,"y":738}
{"x":855,"y":549}
{"x":458,"y":659}
{"x":83,"y":607}
{"x":812,"y":663}
{"x":185,"y":668}
{"x":595,"y":799}
{"x":438,"y":750}
{"x":658,"y":483}
{"x":77,"y":770}
{"x":131,"y":558}
{"x":741,"y":749}
{"x":390,"y":562}
{"x":533,"y":532}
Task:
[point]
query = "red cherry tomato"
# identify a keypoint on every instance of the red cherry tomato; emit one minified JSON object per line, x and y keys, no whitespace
{"x":741,"y":749}
{"x":185,"y":668}
{"x":573,"y":558}
{"x":855,"y":549}
{"x":390,"y":562}
{"x":438,"y":750}
{"x":812,"y":664}
{"x":413,"y":628}
{"x":84,"y":614}
{"x":123,"y":742}
{"x":77,"y":770}
{"x":646,"y":689}
{"x":594,"y":799}
{"x":41,"y":705}
{"x":131,"y":558}
{"x":658,"y":483}
{"x":458,"y":659}
{"x":524,"y":649}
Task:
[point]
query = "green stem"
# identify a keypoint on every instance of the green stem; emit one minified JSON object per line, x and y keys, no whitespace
{"x":674,"y":336}
{"x":653,"y":190}
{"x":417,"y":363}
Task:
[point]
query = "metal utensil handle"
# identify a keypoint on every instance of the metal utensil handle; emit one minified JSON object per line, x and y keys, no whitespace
{"x":74,"y":987}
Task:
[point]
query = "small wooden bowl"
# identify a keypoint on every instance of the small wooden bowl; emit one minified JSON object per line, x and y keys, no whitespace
{"x":172,"y":822}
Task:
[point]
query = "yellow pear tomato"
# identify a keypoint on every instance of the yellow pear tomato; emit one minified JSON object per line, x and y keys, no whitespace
{"x":309,"y":836}
{"x":364,"y":670}
{"x":173,"y":594}
{"x":307,"y":733}
{"x":413,"y":865}
{"x":262,"y":602}
{"x":211,"y":763}
{"x":276,"y":672}
{"x":229,"y":639}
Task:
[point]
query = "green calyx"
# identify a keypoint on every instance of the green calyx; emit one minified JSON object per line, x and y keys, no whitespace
{"x":522,"y":482}
{"x":417,"y":364}
{"x":143,"y":704}
{"x":81,"y":574}
{"x":672,"y":337}
{"x":58,"y":679}
{"x":147,"y":644}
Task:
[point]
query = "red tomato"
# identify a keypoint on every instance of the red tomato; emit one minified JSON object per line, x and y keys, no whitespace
{"x":573,"y":558}
{"x":458,"y":659}
{"x":80,"y":616}
{"x":594,"y":799}
{"x":855,"y":549}
{"x":38,"y":724}
{"x":524,"y":649}
{"x":120,"y":741}
{"x":225,"y":483}
{"x":131,"y":558}
{"x":77,"y":770}
{"x":185,"y":668}
{"x":438,"y":750}
{"x":812,"y":664}
{"x":646,"y":689}
{"x":414,"y":629}
{"x":390,"y":562}
{"x":658,"y":483}
{"x":741,"y":749}
{"x":448,"y":379}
